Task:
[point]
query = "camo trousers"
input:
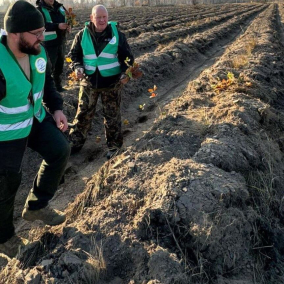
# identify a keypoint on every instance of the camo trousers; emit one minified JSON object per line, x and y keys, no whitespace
{"x":82,"y":122}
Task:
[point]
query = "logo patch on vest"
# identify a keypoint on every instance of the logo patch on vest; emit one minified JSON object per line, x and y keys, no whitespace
{"x":113,"y":40}
{"x":40,"y":65}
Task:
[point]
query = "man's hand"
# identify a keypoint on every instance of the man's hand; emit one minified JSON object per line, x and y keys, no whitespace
{"x":63,"y":26}
{"x":61,"y":120}
{"x":79,"y":72}
{"x":124,"y":79}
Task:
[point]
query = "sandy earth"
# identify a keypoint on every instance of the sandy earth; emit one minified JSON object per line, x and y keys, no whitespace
{"x":195,"y":195}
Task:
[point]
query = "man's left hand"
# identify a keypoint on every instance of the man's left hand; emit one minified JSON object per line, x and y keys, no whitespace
{"x":61,"y":120}
{"x":63,"y":26}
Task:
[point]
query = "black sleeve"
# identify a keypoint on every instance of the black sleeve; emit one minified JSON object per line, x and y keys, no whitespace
{"x":76,"y":52}
{"x":2,"y":86}
{"x":51,"y":98}
{"x":49,"y":27}
{"x":123,"y":52}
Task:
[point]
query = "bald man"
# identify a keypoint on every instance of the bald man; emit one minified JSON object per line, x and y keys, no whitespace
{"x":99,"y":51}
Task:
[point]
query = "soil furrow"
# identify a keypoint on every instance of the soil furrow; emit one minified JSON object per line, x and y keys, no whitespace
{"x":165,"y":37}
{"x":196,"y":196}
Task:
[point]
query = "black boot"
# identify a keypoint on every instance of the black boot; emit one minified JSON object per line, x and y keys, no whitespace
{"x":58,"y":84}
{"x":77,"y":141}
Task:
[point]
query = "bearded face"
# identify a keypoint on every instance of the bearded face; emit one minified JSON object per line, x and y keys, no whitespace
{"x":25,"y":47}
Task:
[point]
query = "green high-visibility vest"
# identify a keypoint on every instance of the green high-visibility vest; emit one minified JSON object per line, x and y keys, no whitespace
{"x":16,"y":109}
{"x":52,"y":34}
{"x":107,"y":61}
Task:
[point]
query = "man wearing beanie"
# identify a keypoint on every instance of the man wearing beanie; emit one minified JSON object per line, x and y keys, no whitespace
{"x":54,"y":15}
{"x":30,"y":116}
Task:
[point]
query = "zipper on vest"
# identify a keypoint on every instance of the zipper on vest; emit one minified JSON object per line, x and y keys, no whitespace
{"x":31,"y":99}
{"x":97,"y":77}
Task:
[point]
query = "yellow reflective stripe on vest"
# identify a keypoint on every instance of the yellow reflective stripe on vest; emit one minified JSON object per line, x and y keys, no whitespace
{"x":18,"y":125}
{"x":108,"y":66}
{"x":14,"y":110}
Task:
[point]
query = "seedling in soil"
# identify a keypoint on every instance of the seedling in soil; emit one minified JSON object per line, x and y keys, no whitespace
{"x":98,"y":139}
{"x":154,"y":94}
{"x":126,"y":122}
{"x":141,"y":107}
{"x":224,"y":84}
{"x":73,"y":80}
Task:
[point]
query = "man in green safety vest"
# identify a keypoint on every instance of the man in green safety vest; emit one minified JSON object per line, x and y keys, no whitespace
{"x":99,"y":51}
{"x":56,"y":29}
{"x":30,"y":116}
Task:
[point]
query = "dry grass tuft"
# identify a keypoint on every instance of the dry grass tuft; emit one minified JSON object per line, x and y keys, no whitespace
{"x":263,"y":183}
{"x":90,"y":194}
{"x":239,"y":61}
{"x":10,"y":273}
{"x":242,"y":59}
{"x":265,"y":187}
{"x":95,"y":265}
{"x":252,"y":42}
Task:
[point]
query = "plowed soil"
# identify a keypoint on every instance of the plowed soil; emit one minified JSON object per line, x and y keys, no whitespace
{"x":196,"y":193}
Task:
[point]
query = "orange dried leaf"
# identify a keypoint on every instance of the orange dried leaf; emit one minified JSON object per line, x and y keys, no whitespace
{"x":153,"y":95}
{"x":153,"y":90}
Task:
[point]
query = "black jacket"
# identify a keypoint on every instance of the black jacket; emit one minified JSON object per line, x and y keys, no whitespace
{"x":100,"y":40}
{"x":56,"y":18}
{"x":51,"y":98}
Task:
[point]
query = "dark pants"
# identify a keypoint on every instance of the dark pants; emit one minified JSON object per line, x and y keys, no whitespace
{"x":46,"y":139}
{"x":88,"y":98}
{"x":57,"y":55}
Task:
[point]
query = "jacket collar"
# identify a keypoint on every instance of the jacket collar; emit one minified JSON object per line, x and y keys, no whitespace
{"x":55,"y":6}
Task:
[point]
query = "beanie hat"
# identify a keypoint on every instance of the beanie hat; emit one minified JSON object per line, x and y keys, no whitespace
{"x":22,"y":16}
